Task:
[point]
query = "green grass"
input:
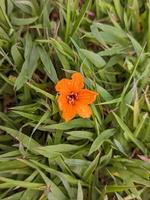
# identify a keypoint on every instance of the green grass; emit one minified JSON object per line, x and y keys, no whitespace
{"x":106,"y":157}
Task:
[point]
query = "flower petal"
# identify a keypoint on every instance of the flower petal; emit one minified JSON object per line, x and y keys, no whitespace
{"x":62,"y":102}
{"x":63,"y":85}
{"x":87,"y":96}
{"x":77,"y":81}
{"x":69,"y":113}
{"x":84,"y":111}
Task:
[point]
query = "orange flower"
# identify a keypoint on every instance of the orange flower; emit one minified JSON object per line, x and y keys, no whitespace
{"x":73,"y":99}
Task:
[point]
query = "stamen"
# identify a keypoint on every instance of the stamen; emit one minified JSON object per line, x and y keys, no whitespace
{"x":72,"y":97}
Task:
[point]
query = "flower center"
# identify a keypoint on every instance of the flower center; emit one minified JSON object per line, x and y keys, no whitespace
{"x":72,"y":97}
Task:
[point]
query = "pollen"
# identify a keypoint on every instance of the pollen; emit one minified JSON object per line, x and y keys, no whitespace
{"x":72,"y":97}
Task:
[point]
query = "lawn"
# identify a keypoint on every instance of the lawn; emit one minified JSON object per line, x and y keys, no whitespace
{"x":74,"y":99}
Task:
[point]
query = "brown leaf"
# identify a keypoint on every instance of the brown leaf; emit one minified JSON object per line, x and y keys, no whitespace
{"x":144,"y":158}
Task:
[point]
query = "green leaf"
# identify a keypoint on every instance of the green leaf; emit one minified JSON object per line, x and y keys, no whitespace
{"x":37,"y":89}
{"x":3,"y":16}
{"x":28,"y":142}
{"x":140,"y":125}
{"x":48,"y":65}
{"x":17,"y":57}
{"x":57,"y":149}
{"x":24,"y":21}
{"x":68,"y":21}
{"x":3,"y":34}
{"x":76,"y":123}
{"x":28,"y":68}
{"x":129,"y":134}
{"x":7,"y":120}
{"x":136,"y":45}
{"x":15,"y":196}
{"x":80,"y":135}
{"x":42,"y":119}
{"x":24,"y":184}
{"x":118,"y":188}
{"x":148,"y":35}
{"x":10,"y":154}
{"x":104,"y":136}
{"x":11,"y":165}
{"x":80,"y":192}
{"x":91,"y":168}
{"x":30,"y":193}
{"x":116,"y":32}
{"x":80,"y":17}
{"x":119,"y":9}
{"x":94,"y":58}
{"x":27,"y":115}
{"x":102,"y":91}
{"x":55,"y":190}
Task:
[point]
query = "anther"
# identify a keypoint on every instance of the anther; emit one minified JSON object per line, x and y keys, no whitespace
{"x":72,"y":97}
